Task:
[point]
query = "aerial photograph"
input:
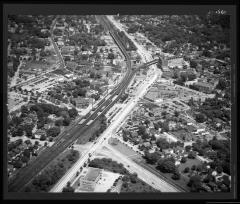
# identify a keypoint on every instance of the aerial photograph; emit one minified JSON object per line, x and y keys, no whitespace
{"x":119,"y":103}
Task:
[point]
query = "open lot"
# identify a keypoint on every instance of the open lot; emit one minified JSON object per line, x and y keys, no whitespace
{"x":38,"y":65}
{"x":131,"y":154}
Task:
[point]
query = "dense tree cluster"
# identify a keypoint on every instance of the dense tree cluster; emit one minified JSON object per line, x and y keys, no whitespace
{"x":53,"y":132}
{"x":166,"y":165}
{"x":44,"y":181}
{"x":213,"y":108}
{"x":185,"y":29}
{"x":28,"y":34}
{"x":108,"y":164}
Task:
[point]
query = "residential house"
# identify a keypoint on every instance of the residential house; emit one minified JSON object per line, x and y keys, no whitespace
{"x":39,"y":133}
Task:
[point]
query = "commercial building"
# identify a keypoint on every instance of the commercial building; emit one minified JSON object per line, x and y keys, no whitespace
{"x":89,"y":179}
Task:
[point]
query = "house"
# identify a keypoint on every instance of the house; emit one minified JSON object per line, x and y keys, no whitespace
{"x":60,"y":43}
{"x":81,"y":102}
{"x":39,"y":133}
{"x":147,"y":144}
{"x":168,"y":151}
{"x":204,"y":87}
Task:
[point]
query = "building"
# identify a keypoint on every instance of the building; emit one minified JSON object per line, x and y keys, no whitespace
{"x":82,"y":102}
{"x":89,"y":179}
{"x":39,"y":133}
{"x":176,"y":62}
{"x":204,"y":87}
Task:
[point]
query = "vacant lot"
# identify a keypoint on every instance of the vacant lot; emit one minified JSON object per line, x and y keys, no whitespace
{"x":131,"y":154}
{"x":38,"y":65}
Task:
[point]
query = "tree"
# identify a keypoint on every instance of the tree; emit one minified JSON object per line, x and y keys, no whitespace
{"x":166,"y":166}
{"x":192,"y":155}
{"x":59,"y":122}
{"x":176,"y":176}
{"x":133,"y":177}
{"x":183,"y":160}
{"x":193,"y":167}
{"x":66,"y":121}
{"x":111,"y":56}
{"x":24,"y":110}
{"x":159,"y":64}
{"x":28,"y":142}
{"x":195,"y":183}
{"x":162,"y":143}
{"x":29,"y":132}
{"x":176,"y":113}
{"x":141,"y":130}
{"x":25,"y":159}
{"x":186,"y":170}
{"x":219,"y":169}
{"x":151,"y":158}
{"x":17,"y":164}
{"x":73,"y":113}
{"x":193,"y":64}
{"x":183,"y":77}
{"x":222,"y":84}
{"x":199,"y":168}
{"x":165,"y":126}
{"x":53,"y":132}
{"x":191,"y":76}
{"x":125,"y":178}
{"x":188,"y":148}
{"x":200,"y":118}
{"x":19,"y":131}
{"x":43,"y":137}
{"x":206,"y":53}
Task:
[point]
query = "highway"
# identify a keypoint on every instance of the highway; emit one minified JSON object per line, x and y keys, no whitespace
{"x":26,"y":174}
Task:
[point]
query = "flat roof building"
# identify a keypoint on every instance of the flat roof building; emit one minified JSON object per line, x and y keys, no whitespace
{"x":89,"y":179}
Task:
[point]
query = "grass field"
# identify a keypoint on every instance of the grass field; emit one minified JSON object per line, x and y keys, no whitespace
{"x":189,"y":164}
{"x":84,"y":138}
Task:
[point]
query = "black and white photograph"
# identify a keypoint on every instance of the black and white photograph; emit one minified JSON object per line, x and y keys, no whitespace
{"x":119,"y":103}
